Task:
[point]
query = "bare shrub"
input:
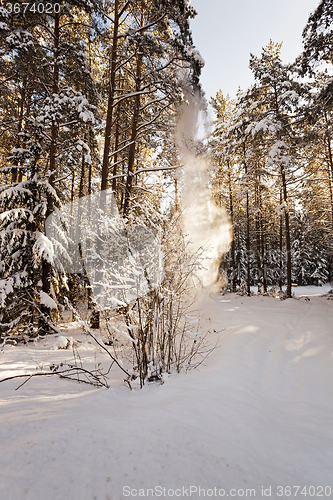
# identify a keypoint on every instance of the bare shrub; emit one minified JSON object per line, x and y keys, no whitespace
{"x":157,"y":330}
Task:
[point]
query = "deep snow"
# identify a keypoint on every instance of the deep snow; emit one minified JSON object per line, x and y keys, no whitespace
{"x":257,"y":414}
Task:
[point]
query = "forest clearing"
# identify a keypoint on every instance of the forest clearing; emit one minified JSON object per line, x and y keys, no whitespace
{"x":257,"y":414}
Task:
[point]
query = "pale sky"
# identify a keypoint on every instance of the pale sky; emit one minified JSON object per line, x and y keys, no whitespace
{"x":226,"y":31}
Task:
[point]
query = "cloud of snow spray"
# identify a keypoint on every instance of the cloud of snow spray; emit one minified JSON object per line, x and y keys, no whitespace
{"x":90,"y":237}
{"x":206,"y":225}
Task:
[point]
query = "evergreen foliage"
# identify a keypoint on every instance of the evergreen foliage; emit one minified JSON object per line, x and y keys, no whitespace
{"x":272,"y":150}
{"x":90,"y":99}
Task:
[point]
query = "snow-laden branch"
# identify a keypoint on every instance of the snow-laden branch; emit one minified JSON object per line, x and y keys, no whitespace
{"x":153,"y":102}
{"x":132,"y":94}
{"x":131,"y":31}
{"x":142,"y":170}
{"x":146,"y":124}
{"x":121,"y":149}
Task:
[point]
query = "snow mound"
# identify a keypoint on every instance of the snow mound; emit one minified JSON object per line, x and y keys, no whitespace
{"x":62,"y":343}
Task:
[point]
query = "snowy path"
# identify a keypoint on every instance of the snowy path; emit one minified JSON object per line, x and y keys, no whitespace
{"x":259,"y":413}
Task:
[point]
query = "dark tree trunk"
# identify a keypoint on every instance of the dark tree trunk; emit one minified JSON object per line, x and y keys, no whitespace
{"x":132,"y":147}
{"x":232,"y":250}
{"x":263,"y":256}
{"x":95,"y":319}
{"x":108,"y":125}
{"x":116,"y":147}
{"x":281,"y":248}
{"x":258,"y":237}
{"x":46,"y":266}
{"x":287,"y":230}
{"x":329,"y":161}
{"x":248,"y":241}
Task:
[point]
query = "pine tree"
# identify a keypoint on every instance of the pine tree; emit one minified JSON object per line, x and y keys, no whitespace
{"x":23,"y":245}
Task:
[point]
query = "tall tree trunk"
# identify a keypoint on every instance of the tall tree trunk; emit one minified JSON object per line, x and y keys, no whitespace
{"x":238,"y":254}
{"x":285,"y":199}
{"x":135,"y":119}
{"x":248,"y":247}
{"x":116,"y":147}
{"x":108,"y":125}
{"x":232,"y":249}
{"x":330,"y":161}
{"x":330,"y":186}
{"x":46,"y":266}
{"x":95,"y":319}
{"x":287,"y":229}
{"x":75,"y":277}
{"x":281,"y":247}
{"x":263,"y":238}
{"x":248,"y":241}
{"x":15,"y":173}
{"x":258,"y":240}
{"x":328,"y":143}
{"x":176,"y":193}
{"x":89,"y":289}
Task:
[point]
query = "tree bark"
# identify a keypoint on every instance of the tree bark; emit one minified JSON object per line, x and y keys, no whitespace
{"x":248,"y":241}
{"x":281,"y":246}
{"x":258,"y":240}
{"x":287,"y":229}
{"x":330,"y":161}
{"x":135,"y":119}
{"x":46,"y":266}
{"x":95,"y":317}
{"x":263,"y":238}
{"x":108,"y":125}
{"x":232,"y":249}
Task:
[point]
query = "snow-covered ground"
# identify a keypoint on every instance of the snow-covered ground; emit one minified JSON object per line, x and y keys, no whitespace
{"x":300,"y":291}
{"x":257,"y":415}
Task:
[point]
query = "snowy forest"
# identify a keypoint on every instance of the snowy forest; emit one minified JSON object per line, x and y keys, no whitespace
{"x":91,"y":99}
{"x":166,"y":258}
{"x":272,"y":149}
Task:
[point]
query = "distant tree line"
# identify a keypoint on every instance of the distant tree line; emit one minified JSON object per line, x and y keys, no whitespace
{"x":273,"y":165}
